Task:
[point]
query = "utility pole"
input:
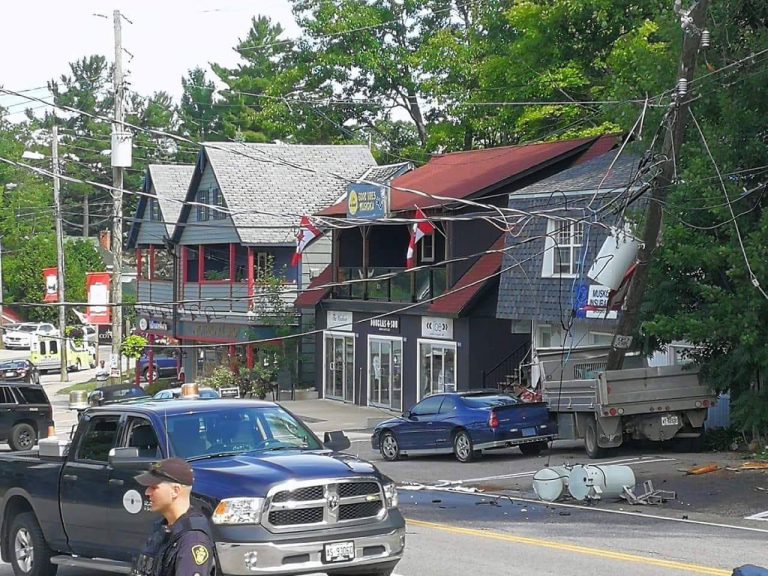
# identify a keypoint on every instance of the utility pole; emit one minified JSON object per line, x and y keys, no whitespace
{"x":117,"y":206}
{"x":59,"y":255}
{"x":693,"y":23}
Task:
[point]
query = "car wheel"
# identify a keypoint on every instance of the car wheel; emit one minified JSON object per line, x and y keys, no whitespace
{"x":462,"y":447}
{"x":22,"y":437}
{"x":389,"y":448}
{"x":590,"y":440}
{"x":30,"y":554}
{"x":533,"y":448}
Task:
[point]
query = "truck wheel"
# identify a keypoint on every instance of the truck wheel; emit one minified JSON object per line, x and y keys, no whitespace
{"x":30,"y":554}
{"x":533,"y":448}
{"x":145,"y":375}
{"x":590,"y":440}
{"x":389,"y":448}
{"x":462,"y":447}
{"x":22,"y":437}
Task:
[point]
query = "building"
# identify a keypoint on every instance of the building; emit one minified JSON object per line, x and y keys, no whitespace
{"x":390,"y":335}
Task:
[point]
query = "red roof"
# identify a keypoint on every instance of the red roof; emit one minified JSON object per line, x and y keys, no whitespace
{"x":461,"y":174}
{"x":604,"y":144}
{"x":461,"y":294}
{"x":316,"y":291}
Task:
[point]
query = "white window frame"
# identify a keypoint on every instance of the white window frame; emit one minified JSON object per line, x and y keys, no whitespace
{"x":427,"y":248}
{"x":354,"y":363}
{"x":217,"y":199}
{"x":446,"y":343}
{"x":261,"y":261}
{"x":368,"y":368}
{"x":203,"y":210}
{"x":551,"y":245}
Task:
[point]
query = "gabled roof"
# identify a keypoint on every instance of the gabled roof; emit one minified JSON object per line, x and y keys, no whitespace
{"x":170,"y":183}
{"x":268,"y":187}
{"x":464,"y":292}
{"x":312,"y":295}
{"x":461,"y":175}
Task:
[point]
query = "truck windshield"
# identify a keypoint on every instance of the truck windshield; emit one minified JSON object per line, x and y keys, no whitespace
{"x":237,"y":430}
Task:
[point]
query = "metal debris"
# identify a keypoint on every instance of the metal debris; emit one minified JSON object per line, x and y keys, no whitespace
{"x":649,"y":496}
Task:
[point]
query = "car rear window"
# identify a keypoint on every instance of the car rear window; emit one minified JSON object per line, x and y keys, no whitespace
{"x":488,"y":401}
{"x":27,"y":328}
{"x":32,"y":395}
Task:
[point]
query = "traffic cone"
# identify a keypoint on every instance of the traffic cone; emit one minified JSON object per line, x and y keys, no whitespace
{"x":51,"y":431}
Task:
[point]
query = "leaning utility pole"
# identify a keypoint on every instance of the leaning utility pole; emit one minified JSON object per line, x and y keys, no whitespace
{"x":117,"y":206}
{"x":59,"y":254}
{"x":692,"y":23}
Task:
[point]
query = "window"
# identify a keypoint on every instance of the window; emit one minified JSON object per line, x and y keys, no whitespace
{"x":143,"y":437}
{"x":217,"y":199}
{"x":427,"y":406}
{"x":428,"y":248}
{"x":6,"y":396}
{"x":154,"y":210}
{"x":563,"y":248}
{"x":216,"y":262}
{"x":203,"y":210}
{"x":448,"y":405}
{"x":241,"y":263}
{"x":143,"y":258}
{"x":32,"y":395}
{"x":193,"y":260}
{"x":99,"y":438}
{"x":261,"y":265}
{"x":163,"y":264}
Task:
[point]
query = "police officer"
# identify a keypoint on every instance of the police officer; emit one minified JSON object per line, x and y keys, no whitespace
{"x":181,"y":542}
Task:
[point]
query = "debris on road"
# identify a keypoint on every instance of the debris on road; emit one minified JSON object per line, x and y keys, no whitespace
{"x":649,"y":496}
{"x":706,"y":469}
{"x":754,"y":466}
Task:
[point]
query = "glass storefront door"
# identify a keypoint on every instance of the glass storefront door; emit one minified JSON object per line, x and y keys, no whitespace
{"x":437,"y":367}
{"x":385,"y":374}
{"x":339,"y":366}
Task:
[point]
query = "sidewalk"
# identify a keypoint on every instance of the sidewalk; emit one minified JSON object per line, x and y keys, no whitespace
{"x":327,"y":415}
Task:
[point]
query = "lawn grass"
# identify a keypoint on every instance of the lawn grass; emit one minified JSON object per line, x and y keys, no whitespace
{"x":90,"y":385}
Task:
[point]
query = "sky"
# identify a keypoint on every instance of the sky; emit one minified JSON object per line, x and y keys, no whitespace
{"x":165,"y":38}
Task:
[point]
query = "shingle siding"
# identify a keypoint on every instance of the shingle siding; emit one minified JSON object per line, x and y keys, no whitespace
{"x":574,"y":193}
{"x":209,"y":231}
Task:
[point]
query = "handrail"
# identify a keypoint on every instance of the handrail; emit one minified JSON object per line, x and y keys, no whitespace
{"x":505,"y":362}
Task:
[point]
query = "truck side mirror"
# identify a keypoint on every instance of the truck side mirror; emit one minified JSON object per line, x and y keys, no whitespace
{"x":127,"y":458}
{"x":336,"y":441}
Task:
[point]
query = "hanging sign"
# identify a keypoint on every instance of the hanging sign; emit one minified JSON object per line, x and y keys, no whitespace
{"x":51,"y":276}
{"x":97,"y":290}
{"x":368,"y":201}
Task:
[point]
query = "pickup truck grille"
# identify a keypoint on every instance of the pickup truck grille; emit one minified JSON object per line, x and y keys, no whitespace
{"x":320,"y":505}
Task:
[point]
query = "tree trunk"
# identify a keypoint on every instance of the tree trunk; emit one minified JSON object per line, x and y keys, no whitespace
{"x":86,"y":216}
{"x":415,"y":111}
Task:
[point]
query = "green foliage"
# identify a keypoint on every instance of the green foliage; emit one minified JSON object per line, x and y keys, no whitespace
{"x":76,"y":333}
{"x":221,"y":377}
{"x":722,"y":439}
{"x":750,"y":410}
{"x":133,"y":346}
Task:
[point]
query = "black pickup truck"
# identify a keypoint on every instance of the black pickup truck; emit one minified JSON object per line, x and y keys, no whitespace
{"x":280,"y":501}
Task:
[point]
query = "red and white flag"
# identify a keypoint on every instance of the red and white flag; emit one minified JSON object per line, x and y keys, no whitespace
{"x":308,"y":232}
{"x":421,"y":228}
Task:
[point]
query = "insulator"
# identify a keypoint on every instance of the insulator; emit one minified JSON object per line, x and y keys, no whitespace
{"x":706,"y":39}
{"x":682,"y":87}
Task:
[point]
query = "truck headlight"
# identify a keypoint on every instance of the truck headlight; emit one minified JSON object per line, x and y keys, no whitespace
{"x":238,"y":511}
{"x":390,"y":495}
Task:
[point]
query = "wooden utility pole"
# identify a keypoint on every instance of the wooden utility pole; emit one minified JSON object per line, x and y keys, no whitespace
{"x":117,"y":207}
{"x":693,"y":23}
{"x":63,"y":365}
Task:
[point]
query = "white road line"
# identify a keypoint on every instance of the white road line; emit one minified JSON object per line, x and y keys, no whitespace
{"x":759,"y":516}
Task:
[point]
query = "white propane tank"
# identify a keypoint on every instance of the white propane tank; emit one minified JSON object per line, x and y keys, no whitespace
{"x":591,"y":482}
{"x":614,"y":259}
{"x":549,"y":484}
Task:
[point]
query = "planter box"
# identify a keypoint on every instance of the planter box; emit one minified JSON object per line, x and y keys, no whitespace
{"x":299,"y":394}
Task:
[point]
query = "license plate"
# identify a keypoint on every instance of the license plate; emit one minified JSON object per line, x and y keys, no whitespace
{"x":11,"y":374}
{"x":529,"y":431}
{"x":339,"y":552}
{"x":670,"y":421}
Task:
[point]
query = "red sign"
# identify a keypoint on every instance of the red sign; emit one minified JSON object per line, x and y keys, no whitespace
{"x":98,"y":311}
{"x":51,"y":276}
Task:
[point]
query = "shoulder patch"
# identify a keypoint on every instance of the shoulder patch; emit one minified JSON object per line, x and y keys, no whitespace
{"x":200,"y":554}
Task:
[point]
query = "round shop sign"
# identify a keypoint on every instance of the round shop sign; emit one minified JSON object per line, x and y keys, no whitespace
{"x":143,"y":324}
{"x":133,"y":502}
{"x":353,"y":204}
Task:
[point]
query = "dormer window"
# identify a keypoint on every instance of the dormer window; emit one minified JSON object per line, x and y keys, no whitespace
{"x":217,"y":200}
{"x":563,"y":246}
{"x":203,"y":209}
{"x":154,"y":210}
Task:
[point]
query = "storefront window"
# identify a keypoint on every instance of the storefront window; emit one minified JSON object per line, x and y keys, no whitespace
{"x":385,"y":360}
{"x":437,"y":367}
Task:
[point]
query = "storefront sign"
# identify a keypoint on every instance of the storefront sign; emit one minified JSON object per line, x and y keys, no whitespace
{"x":385,"y":324}
{"x":153,"y":325}
{"x":98,"y":311}
{"x":432,"y":327}
{"x":368,"y":201}
{"x":337,"y":320}
{"x":592,"y":302}
{"x":217,"y":331}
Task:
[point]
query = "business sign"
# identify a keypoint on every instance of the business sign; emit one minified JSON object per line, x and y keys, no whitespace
{"x":51,"y":277}
{"x":592,"y":302}
{"x":432,"y":327}
{"x":386,"y":324}
{"x":337,"y":320}
{"x":146,"y":325}
{"x":97,"y":291}
{"x":367,"y":201}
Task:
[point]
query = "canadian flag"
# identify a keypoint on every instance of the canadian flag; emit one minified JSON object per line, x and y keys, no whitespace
{"x":308,"y":232}
{"x":421,"y":228}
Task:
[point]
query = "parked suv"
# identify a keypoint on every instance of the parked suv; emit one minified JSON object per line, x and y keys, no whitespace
{"x":21,"y":336}
{"x":165,"y":364}
{"x":25,"y":414}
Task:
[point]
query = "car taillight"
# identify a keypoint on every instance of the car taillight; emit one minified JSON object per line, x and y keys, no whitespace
{"x":493,"y":420}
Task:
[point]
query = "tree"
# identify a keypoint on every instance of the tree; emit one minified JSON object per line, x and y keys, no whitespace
{"x":199,"y":116}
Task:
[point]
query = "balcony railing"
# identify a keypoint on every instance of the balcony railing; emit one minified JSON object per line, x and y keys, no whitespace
{"x":391,"y":284}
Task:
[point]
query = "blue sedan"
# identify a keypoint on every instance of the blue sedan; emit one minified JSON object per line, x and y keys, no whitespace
{"x":465,"y":424}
